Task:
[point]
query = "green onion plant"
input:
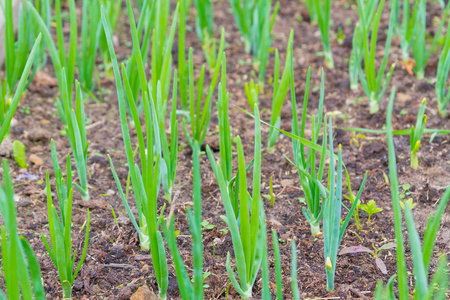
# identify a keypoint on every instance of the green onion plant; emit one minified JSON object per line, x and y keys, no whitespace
{"x":20,"y":266}
{"x":425,"y":287}
{"x":8,"y":107}
{"x":76,"y":133}
{"x":199,"y":113}
{"x":198,"y":118}
{"x":421,"y":51}
{"x":255,"y":23}
{"x":189,"y":289}
{"x":146,"y":176}
{"x":443,"y":69}
{"x":16,"y":51}
{"x":280,"y":89}
{"x":43,"y":7}
{"x":406,"y":28}
{"x":162,"y":41}
{"x":61,"y":227}
{"x":112,"y":9}
{"x":154,"y":20}
{"x":204,"y":26}
{"x":246,"y":231}
{"x":61,"y":60}
{"x":64,"y":65}
{"x":226,"y":150}
{"x":371,"y":80}
{"x":310,"y":178}
{"x":333,"y":226}
{"x":323,"y":11}
{"x":356,"y":55}
{"x":90,"y":38}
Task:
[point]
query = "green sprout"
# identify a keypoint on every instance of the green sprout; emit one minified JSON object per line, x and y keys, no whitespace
{"x":370,"y":208}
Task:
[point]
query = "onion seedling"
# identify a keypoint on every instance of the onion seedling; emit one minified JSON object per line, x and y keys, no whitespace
{"x":204,"y":26}
{"x":280,"y":89}
{"x":189,"y":290}
{"x":358,"y":44}
{"x":16,"y":51}
{"x":255,"y":24}
{"x":406,"y":29}
{"x":162,"y":41}
{"x":309,"y":177}
{"x":64,"y":66}
{"x":8,"y":108}
{"x":146,"y":182}
{"x":60,"y":59}
{"x":333,"y":227}
{"x":198,"y":117}
{"x":76,"y":133}
{"x":61,"y":228}
{"x":199,"y":113}
{"x":443,"y":69}
{"x":437,"y":287}
{"x":112,"y":9}
{"x":419,"y":46}
{"x":90,"y":38}
{"x":20,"y":267}
{"x":168,"y":146}
{"x":371,"y":80}
{"x":246,"y":234}
{"x":44,"y":9}
{"x":323,"y":11}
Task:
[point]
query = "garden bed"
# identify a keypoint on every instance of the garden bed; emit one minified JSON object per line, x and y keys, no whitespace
{"x":115,"y":265}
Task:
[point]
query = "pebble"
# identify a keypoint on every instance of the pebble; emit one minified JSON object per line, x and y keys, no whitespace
{"x":38,"y":134}
{"x":36,"y":160}
{"x":6,"y":148}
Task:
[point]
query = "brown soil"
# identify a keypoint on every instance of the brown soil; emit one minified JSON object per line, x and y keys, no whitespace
{"x":115,"y":265}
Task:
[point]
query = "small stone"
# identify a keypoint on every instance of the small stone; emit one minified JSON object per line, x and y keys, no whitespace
{"x":110,"y":192}
{"x":6,"y":148}
{"x":144,"y":293}
{"x":14,"y":122}
{"x":36,"y":160}
{"x":38,"y":134}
